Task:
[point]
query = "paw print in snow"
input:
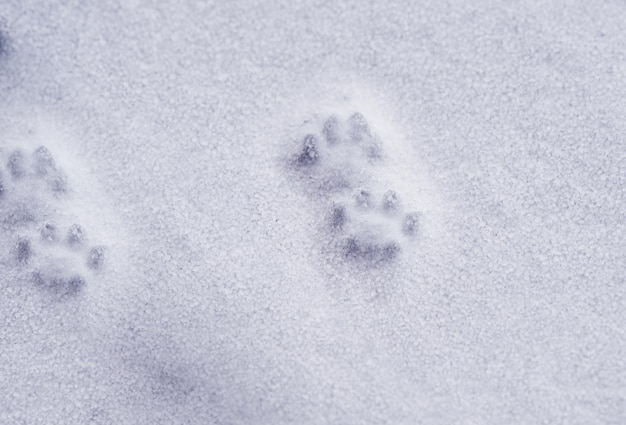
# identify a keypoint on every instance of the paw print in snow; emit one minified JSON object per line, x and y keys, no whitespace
{"x":341,"y":161}
{"x":39,"y":238}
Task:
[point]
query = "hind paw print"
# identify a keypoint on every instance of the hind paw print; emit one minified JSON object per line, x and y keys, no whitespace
{"x":372,"y":229}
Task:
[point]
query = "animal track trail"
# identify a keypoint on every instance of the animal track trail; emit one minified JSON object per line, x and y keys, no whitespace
{"x":41,"y":237}
{"x":342,"y":162}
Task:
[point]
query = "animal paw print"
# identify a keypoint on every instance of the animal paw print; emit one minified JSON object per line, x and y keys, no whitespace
{"x":47,"y":246}
{"x":341,"y":161}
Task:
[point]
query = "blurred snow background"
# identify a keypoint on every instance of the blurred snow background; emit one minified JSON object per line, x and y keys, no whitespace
{"x":217,"y":305}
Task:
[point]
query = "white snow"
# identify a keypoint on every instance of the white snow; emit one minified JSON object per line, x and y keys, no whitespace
{"x":225,"y":298}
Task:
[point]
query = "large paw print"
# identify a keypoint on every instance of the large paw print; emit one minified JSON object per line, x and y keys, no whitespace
{"x":40,"y":238}
{"x":341,"y":161}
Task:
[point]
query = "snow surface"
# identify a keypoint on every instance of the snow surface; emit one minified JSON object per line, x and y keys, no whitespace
{"x":226,"y":295}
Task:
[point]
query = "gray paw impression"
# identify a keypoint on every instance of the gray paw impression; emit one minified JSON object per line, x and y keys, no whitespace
{"x":37,"y":238}
{"x":341,"y":162}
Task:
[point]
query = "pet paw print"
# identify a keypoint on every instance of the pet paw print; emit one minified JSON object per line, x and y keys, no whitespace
{"x":42,"y":241}
{"x":341,"y":161}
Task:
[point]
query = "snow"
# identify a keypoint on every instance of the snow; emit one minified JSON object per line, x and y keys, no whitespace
{"x":226,"y":295}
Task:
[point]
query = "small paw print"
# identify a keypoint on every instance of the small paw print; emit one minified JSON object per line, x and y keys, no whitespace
{"x":46,"y":246}
{"x":373,"y":229}
{"x":341,"y":160}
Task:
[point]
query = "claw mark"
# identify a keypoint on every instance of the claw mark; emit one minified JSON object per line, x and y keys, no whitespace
{"x":75,"y":235}
{"x":309,"y":155}
{"x":411,"y":223}
{"x":23,"y":251}
{"x":96,"y":258}
{"x":16,"y":165}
